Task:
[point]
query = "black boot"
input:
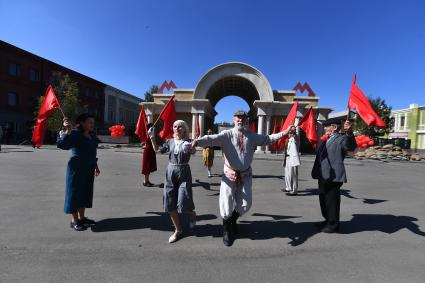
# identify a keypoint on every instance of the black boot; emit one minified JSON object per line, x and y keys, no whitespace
{"x":227,"y":233}
{"x":235,"y":216}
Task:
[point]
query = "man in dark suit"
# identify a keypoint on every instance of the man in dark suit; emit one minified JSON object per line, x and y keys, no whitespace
{"x":329,"y":170}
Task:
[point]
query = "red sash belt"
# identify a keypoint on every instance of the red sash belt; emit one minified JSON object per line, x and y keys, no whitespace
{"x":235,"y":176}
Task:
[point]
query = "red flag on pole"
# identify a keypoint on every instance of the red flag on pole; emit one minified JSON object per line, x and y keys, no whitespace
{"x":287,"y":122}
{"x":48,"y":106}
{"x":308,"y":124}
{"x":168,"y":117}
{"x":197,"y":127}
{"x":359,"y":102}
{"x":273,"y":146}
{"x":252,"y":127}
{"x":141,"y":128}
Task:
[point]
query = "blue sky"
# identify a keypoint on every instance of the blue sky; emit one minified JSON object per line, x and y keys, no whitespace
{"x":134,"y":44}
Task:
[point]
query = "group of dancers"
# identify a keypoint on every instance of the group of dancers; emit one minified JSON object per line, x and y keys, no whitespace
{"x":238,"y":145}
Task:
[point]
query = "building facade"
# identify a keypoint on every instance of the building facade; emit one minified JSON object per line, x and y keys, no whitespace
{"x":121,"y":108}
{"x":409,"y":123}
{"x":24,"y":77}
{"x":236,"y":79}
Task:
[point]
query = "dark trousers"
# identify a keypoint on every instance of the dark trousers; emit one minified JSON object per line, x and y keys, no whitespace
{"x":330,"y":200}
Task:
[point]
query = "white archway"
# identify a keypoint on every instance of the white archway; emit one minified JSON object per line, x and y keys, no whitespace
{"x":236,"y":69}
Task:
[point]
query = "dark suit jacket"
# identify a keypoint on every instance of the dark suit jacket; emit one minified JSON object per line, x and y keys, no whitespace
{"x":329,"y":163}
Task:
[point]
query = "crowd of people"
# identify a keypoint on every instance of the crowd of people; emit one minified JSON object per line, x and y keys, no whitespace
{"x":237,"y":144}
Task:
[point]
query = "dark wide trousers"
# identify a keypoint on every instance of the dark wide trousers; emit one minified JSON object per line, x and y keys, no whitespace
{"x":330,"y":201}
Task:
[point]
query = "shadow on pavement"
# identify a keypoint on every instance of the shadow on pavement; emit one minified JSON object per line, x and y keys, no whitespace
{"x":280,"y":177}
{"x":344,"y":192}
{"x":206,"y":185}
{"x":386,"y":223}
{"x":155,"y":221}
{"x":299,"y":233}
{"x":278,"y":227}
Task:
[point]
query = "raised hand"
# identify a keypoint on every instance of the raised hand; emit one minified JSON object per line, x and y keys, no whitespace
{"x":67,"y":125}
{"x":347,"y":125}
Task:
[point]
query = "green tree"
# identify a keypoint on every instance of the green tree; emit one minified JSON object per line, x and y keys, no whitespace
{"x":149,"y":94}
{"x":68,"y":95}
{"x":384,"y":111}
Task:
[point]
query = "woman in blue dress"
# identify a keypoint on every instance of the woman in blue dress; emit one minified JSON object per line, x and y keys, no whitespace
{"x":178,"y":196}
{"x":81,"y":170}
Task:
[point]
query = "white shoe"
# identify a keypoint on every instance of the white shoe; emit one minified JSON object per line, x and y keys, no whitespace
{"x":175,"y":237}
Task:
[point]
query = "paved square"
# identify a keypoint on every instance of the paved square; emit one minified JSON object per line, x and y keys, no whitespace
{"x":382,"y":235}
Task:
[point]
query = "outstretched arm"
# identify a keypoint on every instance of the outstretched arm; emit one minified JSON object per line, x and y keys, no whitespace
{"x":209,"y":140}
{"x":268,"y":139}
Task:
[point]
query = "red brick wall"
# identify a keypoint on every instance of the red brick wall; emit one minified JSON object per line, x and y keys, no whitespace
{"x":29,"y":91}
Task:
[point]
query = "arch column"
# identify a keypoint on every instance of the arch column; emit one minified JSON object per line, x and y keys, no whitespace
{"x":149,"y":117}
{"x":194,"y":116}
{"x":268,"y":122}
{"x":260,"y":130}
{"x":201,"y":124}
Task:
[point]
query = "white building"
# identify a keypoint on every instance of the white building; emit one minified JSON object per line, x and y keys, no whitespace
{"x":121,"y":107}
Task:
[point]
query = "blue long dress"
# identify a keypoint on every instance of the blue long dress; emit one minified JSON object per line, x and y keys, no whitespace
{"x":80,"y":169}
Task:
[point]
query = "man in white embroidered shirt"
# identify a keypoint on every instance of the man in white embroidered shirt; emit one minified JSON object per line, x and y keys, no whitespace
{"x":238,"y":145}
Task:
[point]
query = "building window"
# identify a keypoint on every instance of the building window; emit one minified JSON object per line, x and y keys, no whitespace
{"x":14,"y":69}
{"x":34,"y":75}
{"x":111,"y":116}
{"x":12,"y":99}
{"x":87,"y":92}
{"x":402,"y":121}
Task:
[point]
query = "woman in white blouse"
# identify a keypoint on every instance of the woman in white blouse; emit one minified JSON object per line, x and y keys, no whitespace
{"x":178,"y":196}
{"x":291,"y":162}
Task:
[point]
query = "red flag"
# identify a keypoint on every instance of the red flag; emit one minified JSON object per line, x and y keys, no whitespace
{"x":287,"y":122}
{"x":168,"y":117}
{"x":308,"y":124}
{"x":197,"y":127}
{"x":273,"y":146}
{"x":48,"y":106}
{"x":141,"y":128}
{"x":359,"y":102}
{"x":252,"y":127}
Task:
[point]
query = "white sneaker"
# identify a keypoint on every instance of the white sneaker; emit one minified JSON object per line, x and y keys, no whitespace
{"x":175,"y":237}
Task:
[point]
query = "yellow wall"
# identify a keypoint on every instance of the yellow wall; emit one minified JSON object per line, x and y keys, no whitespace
{"x":184,"y":96}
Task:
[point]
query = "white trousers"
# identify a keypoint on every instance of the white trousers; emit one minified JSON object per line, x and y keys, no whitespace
{"x":235,"y":196}
{"x":291,"y":178}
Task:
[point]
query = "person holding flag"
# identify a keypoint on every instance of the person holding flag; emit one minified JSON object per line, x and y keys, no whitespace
{"x":148,"y":160}
{"x":329,"y":170}
{"x":178,"y":197}
{"x":291,"y":161}
{"x":81,"y":170}
{"x":148,"y":157}
{"x":238,"y":145}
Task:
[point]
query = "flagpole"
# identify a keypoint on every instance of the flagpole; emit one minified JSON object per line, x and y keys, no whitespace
{"x":62,"y":112}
